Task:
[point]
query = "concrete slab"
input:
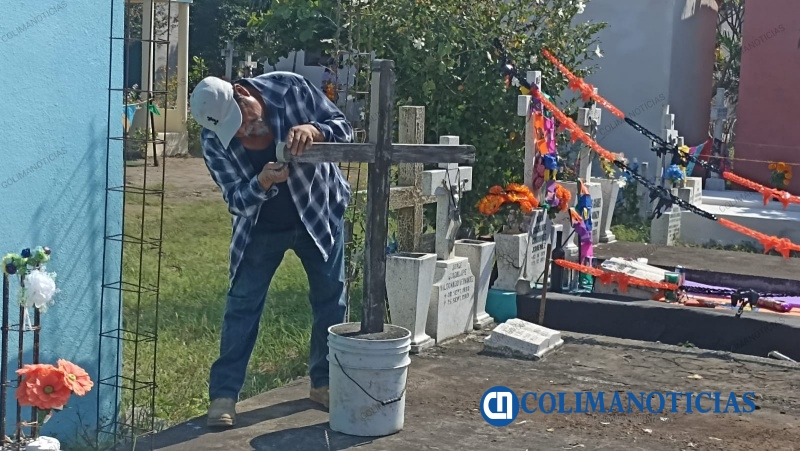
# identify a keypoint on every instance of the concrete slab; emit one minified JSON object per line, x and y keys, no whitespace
{"x":754,"y":333}
{"x":713,"y":267}
{"x":446,"y":385}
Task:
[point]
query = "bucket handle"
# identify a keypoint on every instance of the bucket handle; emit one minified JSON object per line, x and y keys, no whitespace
{"x":382,"y":403}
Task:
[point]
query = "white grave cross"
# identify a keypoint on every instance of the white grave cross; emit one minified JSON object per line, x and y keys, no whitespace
{"x":670,"y":135}
{"x":719,"y":113}
{"x":588,"y":120}
{"x":248,"y":65}
{"x":534,"y":78}
{"x":448,"y":185}
{"x":229,"y":52}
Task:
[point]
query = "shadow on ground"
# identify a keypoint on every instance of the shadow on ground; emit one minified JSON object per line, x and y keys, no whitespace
{"x":296,"y":438}
{"x":318,"y":436}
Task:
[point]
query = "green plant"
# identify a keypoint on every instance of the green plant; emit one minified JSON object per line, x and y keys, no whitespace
{"x":445,"y":60}
{"x":193,"y":130}
{"x":781,"y":175}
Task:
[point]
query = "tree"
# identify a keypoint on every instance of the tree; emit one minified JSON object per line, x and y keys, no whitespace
{"x":445,"y":60}
{"x":728,"y":61}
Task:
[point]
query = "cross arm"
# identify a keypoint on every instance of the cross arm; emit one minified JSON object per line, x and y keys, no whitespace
{"x":400,"y":153}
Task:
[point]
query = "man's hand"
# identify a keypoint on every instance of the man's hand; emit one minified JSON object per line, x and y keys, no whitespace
{"x":300,"y":138}
{"x":273,"y":173}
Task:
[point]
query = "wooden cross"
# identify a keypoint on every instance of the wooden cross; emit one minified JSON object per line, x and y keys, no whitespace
{"x":407,"y":197}
{"x":229,"y":52}
{"x":379,"y":152}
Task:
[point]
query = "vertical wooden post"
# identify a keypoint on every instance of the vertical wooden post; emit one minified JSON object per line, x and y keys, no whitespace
{"x":378,"y":187}
{"x":409,"y":219}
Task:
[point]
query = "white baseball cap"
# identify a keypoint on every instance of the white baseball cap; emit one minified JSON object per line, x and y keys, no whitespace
{"x":212,"y":106}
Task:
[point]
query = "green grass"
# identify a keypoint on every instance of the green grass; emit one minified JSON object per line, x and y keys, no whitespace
{"x":637,"y":233}
{"x":193,"y":285}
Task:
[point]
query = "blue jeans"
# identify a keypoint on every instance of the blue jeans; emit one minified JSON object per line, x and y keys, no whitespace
{"x":247,"y":296}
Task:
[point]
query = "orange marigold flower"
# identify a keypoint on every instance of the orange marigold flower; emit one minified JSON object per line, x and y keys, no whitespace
{"x":517,"y":188}
{"x":76,"y":377}
{"x":490,"y":204}
{"x":563,"y":196}
{"x":43,"y":386}
{"x":497,"y":189}
{"x":525,"y":206}
{"x":515,"y":197}
{"x":781,"y":167}
{"x":772,"y":166}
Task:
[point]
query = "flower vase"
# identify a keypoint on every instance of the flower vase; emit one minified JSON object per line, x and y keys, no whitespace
{"x":409,"y":282}
{"x":481,"y":257}
{"x":610,"y":189}
{"x":510,"y":251}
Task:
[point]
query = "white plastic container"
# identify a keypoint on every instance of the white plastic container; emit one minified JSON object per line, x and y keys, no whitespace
{"x":368,"y":379}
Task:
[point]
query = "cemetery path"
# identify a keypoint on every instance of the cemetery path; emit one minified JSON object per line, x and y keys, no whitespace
{"x":187,"y":178}
{"x":447,"y":383}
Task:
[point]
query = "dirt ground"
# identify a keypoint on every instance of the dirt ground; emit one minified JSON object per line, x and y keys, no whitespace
{"x":188,"y":178}
{"x":446,"y":385}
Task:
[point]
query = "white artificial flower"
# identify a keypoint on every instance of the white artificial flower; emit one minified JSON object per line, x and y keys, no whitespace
{"x":40,"y":287}
{"x":419,"y":43}
{"x":581,"y":6}
{"x":597,"y":51}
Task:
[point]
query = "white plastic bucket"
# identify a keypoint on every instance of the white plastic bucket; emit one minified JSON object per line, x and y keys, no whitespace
{"x":367,"y":386}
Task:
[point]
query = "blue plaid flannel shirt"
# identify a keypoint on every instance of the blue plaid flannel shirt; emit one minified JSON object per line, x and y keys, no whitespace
{"x":319,"y":190}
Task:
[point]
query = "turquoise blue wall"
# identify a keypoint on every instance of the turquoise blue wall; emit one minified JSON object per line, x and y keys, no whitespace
{"x":54,"y":77}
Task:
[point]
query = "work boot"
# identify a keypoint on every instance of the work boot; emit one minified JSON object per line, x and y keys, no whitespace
{"x":319,"y":395}
{"x":222,"y":413}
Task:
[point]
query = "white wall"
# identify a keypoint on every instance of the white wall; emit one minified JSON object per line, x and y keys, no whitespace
{"x":655,"y":52}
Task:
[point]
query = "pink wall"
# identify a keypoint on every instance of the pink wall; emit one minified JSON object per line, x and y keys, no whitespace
{"x":767,"y":125}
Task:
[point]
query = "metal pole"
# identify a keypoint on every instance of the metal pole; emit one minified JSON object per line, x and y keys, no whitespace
{"x":4,"y":357}
{"x":544,"y":282}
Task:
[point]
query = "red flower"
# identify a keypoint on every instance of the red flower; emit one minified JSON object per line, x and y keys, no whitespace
{"x":43,"y":386}
{"x":76,"y":377}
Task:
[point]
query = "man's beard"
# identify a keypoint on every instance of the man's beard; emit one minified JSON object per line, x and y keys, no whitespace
{"x":256,"y":128}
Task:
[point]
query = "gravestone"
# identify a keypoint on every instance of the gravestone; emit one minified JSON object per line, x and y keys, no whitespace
{"x":452,"y":299}
{"x":666,"y":230}
{"x":481,"y":257}
{"x":538,"y":246}
{"x":521,"y":339}
{"x":631,"y":268}
{"x":692,"y":190}
{"x":452,"y":303}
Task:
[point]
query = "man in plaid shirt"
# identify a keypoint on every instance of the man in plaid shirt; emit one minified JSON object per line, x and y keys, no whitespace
{"x":275,"y":207}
